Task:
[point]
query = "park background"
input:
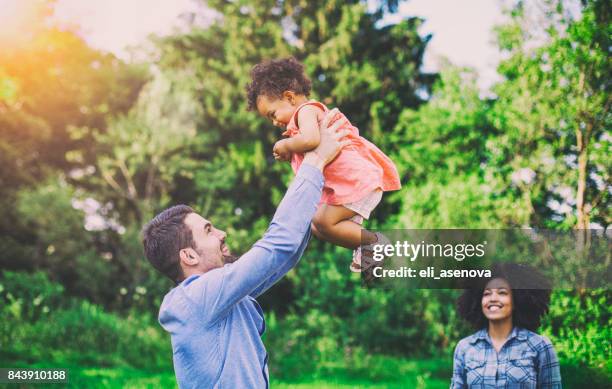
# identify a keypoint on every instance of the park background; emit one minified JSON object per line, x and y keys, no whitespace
{"x":93,"y":145}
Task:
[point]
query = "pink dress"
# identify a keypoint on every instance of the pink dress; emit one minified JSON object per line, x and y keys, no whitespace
{"x":358,"y":170}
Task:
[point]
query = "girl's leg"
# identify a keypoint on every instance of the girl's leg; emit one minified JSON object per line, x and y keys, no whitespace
{"x":332,"y":224}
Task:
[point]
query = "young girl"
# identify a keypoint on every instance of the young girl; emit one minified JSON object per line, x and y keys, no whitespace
{"x":354,"y":182}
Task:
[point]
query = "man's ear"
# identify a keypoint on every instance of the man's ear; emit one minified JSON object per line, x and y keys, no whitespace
{"x":189,"y":256}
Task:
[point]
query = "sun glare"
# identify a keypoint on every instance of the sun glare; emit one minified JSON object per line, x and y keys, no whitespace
{"x":18,"y":20}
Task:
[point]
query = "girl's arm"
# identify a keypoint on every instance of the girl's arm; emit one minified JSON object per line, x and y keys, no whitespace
{"x":309,"y":137}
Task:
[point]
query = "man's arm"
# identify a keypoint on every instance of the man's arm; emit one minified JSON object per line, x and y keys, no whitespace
{"x":216,"y":292}
{"x":284,"y":269}
{"x":279,"y":249}
{"x":314,"y":161}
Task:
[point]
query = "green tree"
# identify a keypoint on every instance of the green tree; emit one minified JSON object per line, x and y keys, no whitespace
{"x":141,"y":153}
{"x":50,"y":82}
{"x":553,"y":110}
{"x":442,"y":151}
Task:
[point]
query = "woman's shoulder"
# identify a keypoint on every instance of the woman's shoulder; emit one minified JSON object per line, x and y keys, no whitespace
{"x":536,"y":341}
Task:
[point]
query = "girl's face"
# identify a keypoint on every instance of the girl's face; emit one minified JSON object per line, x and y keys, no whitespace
{"x":278,"y":111}
{"x":497,"y":300}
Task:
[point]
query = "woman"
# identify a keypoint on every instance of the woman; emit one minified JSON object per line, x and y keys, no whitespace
{"x":505,"y":352}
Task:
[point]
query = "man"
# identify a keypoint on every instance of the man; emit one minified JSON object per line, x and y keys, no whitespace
{"x":212,"y":316}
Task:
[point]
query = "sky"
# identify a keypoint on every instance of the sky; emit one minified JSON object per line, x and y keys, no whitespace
{"x":113,"y":25}
{"x":462,"y":30}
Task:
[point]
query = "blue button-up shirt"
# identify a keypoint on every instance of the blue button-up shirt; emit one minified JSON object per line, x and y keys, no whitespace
{"x":213,"y":318}
{"x":527,"y":360}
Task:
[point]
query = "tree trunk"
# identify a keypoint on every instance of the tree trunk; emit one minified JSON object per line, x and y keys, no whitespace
{"x":581,"y":206}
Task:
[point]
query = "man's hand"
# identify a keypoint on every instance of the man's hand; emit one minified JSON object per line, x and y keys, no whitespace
{"x":332,"y":141}
{"x":281,"y":151}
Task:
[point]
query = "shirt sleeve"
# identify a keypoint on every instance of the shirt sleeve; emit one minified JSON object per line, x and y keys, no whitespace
{"x":271,"y":257}
{"x":458,"y":380}
{"x":295,"y":258}
{"x":549,"y":375}
{"x":283,"y":269}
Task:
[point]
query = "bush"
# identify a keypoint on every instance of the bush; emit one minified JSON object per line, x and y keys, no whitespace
{"x":147,"y":345}
{"x":402,"y":321}
{"x":74,"y":332}
{"x":29,"y":297}
{"x":301,"y":346}
{"x":579,"y":324}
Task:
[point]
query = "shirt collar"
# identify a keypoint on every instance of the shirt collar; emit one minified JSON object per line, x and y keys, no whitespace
{"x":518,"y":333}
{"x":188,"y":280}
{"x":483,"y":334}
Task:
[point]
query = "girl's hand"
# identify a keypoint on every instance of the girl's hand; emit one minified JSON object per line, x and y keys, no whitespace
{"x":281,"y":151}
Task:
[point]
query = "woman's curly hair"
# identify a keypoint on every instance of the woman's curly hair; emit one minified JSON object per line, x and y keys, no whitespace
{"x":272,"y":78}
{"x":530,"y":296}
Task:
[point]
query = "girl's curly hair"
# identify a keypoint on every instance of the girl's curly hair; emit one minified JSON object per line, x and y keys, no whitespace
{"x":272,"y":78}
{"x":529,"y":304}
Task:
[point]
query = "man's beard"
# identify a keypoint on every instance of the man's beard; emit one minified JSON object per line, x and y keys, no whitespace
{"x":224,"y":258}
{"x":230,"y":258}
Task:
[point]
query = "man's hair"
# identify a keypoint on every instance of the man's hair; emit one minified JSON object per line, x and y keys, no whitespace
{"x":163,"y":238}
{"x":272,"y":78}
{"x":530,"y":296}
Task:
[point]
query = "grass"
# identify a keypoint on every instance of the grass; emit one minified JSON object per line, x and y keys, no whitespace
{"x":385,"y":373}
{"x":404,"y":373}
{"x":382,"y":373}
{"x":118,"y":377}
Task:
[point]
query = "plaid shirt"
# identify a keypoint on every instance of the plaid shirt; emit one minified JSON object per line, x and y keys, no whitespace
{"x":527,"y":360}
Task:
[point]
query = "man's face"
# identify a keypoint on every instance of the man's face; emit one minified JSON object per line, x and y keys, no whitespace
{"x":209,"y":243}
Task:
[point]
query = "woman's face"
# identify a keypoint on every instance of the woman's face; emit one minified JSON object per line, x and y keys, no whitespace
{"x":497,"y":300}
